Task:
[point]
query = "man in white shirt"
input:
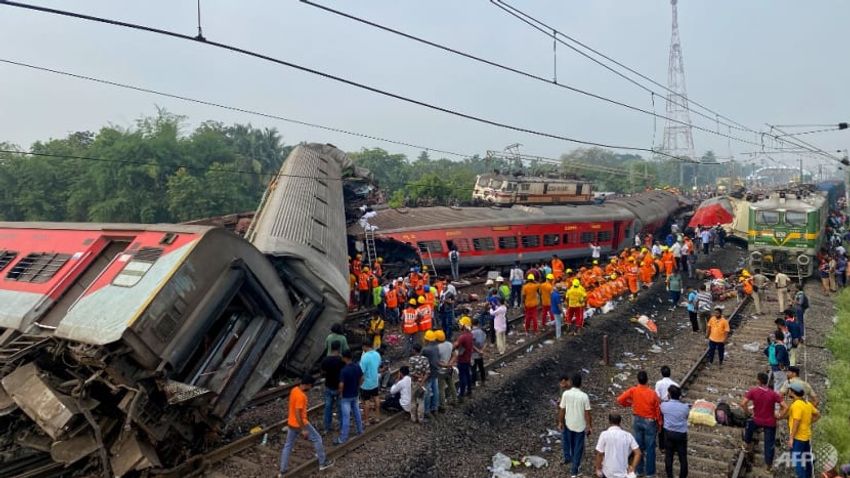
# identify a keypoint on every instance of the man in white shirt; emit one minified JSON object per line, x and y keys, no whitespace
{"x":613,"y":449}
{"x":638,"y":241}
{"x":662,"y":386}
{"x":575,"y":423}
{"x":676,"y":249}
{"x":595,"y":251}
{"x":399,"y":393}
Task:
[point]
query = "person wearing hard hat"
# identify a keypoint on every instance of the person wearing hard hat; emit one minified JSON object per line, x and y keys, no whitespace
{"x":410,"y":325}
{"x":364,"y":280}
{"x":378,"y":267}
{"x":430,"y":350}
{"x":391,"y":300}
{"x":464,"y":346}
{"x":376,"y":330}
{"x":424,"y":315}
{"x":576,"y":297}
{"x":546,"y":289}
{"x":531,"y":302}
{"x":356,"y":264}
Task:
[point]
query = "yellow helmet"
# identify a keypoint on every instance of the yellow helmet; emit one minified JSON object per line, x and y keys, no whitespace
{"x":745,"y":273}
{"x":421,"y":299}
{"x":430,"y":336}
{"x":595,"y":262}
{"x":365,"y":269}
{"x":359,"y":256}
{"x":530,"y":277}
{"x":424,"y":268}
{"x":465,"y":321}
{"x":440,"y":335}
{"x":642,"y":249}
{"x":663,"y":248}
{"x":380,"y":259}
{"x":569,"y":271}
{"x":613,"y":276}
{"x":412,"y":301}
{"x":576,"y":283}
{"x":550,"y":276}
{"x":613,"y":259}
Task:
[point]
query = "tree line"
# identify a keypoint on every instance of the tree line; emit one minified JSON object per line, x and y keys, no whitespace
{"x":161,"y":171}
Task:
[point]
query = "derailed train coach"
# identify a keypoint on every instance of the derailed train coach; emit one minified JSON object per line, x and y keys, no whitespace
{"x":123,"y":346}
{"x":118,"y":338}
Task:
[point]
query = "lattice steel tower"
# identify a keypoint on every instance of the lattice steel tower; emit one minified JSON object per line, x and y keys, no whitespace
{"x":678,"y":136}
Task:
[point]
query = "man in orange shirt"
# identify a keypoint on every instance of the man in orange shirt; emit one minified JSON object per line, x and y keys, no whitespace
{"x":646,"y":411}
{"x":557,"y":267}
{"x":531,"y":301}
{"x":546,"y":298}
{"x":717,"y":331}
{"x":298,"y":424}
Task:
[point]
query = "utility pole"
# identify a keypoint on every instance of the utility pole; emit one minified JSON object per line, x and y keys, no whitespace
{"x":801,"y":170}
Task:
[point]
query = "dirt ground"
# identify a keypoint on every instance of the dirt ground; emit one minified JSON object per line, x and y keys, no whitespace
{"x":517,"y":408}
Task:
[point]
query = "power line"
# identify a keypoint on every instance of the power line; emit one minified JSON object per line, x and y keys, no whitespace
{"x":329,"y":76}
{"x":517,"y":71}
{"x":546,"y":29}
{"x":228,"y":107}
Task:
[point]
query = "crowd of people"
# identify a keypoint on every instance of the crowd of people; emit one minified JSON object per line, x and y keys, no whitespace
{"x":446,"y":341}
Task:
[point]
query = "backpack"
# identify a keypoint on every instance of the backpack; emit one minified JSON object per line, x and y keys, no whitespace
{"x":771,"y":355}
{"x":453,"y":256}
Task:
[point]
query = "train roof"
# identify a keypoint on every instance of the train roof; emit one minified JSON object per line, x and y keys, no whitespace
{"x":391,"y":220}
{"x":807,"y":203}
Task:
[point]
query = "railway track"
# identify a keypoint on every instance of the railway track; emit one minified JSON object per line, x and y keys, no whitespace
{"x":715,"y":452}
{"x":248,"y":450}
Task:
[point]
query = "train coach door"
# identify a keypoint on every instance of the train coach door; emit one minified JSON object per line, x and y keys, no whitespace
{"x":616,"y":236}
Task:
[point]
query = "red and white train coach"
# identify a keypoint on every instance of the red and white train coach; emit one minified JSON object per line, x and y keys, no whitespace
{"x":487,"y":236}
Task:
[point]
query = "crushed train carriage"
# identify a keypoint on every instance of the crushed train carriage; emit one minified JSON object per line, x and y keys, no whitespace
{"x":130,"y":343}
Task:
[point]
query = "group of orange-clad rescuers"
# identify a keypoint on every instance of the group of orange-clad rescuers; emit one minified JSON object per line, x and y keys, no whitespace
{"x":551,"y":292}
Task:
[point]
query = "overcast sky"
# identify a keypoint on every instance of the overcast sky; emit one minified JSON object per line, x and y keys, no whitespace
{"x":755,"y":61}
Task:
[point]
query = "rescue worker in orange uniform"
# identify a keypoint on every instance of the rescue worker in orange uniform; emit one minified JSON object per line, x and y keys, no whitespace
{"x":425,"y":315}
{"x":410,"y":326}
{"x":596,"y":271}
{"x":668,"y":261}
{"x":611,"y":268}
{"x":391,"y":300}
{"x":356,"y":264}
{"x":429,"y":296}
{"x":647,"y":269}
{"x":531,"y":301}
{"x":377,"y":268}
{"x":363,"y":282}
{"x":414,"y":278}
{"x":426,"y":277}
{"x":352,"y":291}
{"x":557,"y":267}
{"x":546,"y":298}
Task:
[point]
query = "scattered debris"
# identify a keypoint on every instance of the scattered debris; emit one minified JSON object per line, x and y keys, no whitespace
{"x":535,"y":461}
{"x":752,"y":347}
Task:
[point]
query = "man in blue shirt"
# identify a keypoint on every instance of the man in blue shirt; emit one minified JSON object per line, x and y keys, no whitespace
{"x":370,"y":363}
{"x":350,"y":379}
{"x":557,"y":305}
{"x":692,"y":308}
{"x":675,"y":415}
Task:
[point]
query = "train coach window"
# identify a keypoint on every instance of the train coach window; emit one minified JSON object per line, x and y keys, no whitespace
{"x":767,"y":218}
{"x":462,"y":245}
{"x":567,"y":238}
{"x":137,"y":267}
{"x":483,"y":244}
{"x":507,"y":242}
{"x":433,"y":246}
{"x":795,"y":218}
{"x":530,"y":241}
{"x":550,"y":240}
{"x":38,"y":267}
{"x":603,"y":236}
{"x":6,"y":257}
{"x":586,"y":237}
{"x":524,"y":186}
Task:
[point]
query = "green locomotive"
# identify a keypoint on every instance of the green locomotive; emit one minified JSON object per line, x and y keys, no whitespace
{"x":786,"y":231}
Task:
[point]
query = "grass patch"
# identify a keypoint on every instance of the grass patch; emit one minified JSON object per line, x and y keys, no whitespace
{"x":834,"y":426}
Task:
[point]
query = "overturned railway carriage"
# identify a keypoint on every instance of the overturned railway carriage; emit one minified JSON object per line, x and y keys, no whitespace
{"x":786,"y":231}
{"x":129,"y":342}
{"x":300,"y":225}
{"x":499,"y":236}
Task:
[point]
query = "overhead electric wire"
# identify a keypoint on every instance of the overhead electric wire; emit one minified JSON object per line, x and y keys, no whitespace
{"x":546,"y":29}
{"x":313,"y":71}
{"x":228,"y":107}
{"x":518,"y":71}
{"x":506,"y":6}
